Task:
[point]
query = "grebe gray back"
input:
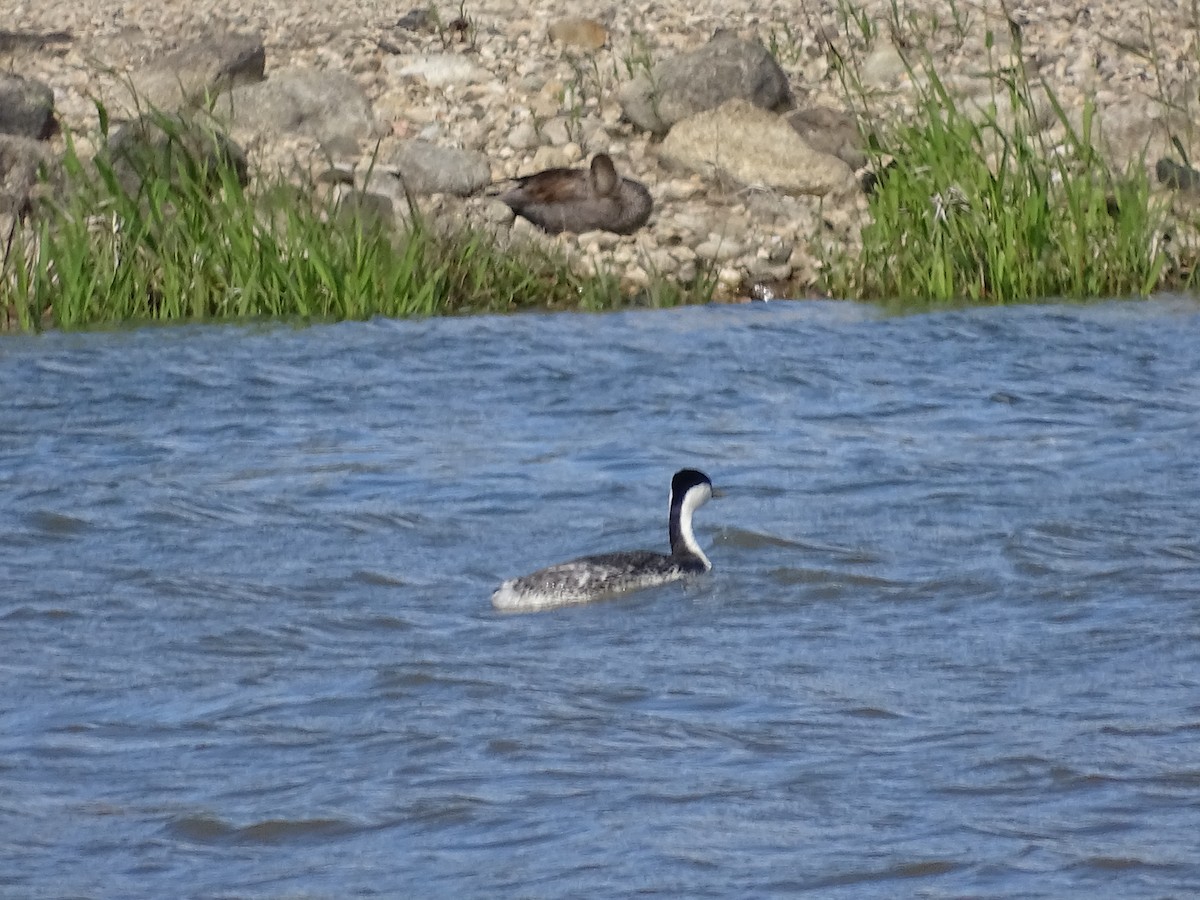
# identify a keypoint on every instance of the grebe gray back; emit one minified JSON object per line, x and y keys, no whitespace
{"x":608,"y":574}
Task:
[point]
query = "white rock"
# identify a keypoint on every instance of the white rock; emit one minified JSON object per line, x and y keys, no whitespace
{"x":546,"y":158}
{"x":729,"y":276}
{"x":437,"y":69}
{"x":636,"y":276}
{"x":599,"y":239}
{"x":680,"y":189}
{"x":719,"y":249}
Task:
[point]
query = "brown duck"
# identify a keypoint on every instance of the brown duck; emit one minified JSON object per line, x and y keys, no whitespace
{"x":596,"y":199}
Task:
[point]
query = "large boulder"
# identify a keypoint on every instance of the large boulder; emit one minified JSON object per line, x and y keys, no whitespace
{"x":195,"y":72}
{"x":427,"y":168}
{"x":172,"y":148}
{"x":741,"y":143}
{"x":327,"y":106}
{"x":725,"y":68}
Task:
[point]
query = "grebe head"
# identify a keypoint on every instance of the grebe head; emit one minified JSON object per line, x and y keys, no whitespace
{"x":690,"y":489}
{"x":691,"y":480}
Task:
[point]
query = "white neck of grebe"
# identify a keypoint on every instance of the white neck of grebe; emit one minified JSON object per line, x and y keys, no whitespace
{"x":683,"y":539}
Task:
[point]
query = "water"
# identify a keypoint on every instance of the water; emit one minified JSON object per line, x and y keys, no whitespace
{"x":950,"y":647}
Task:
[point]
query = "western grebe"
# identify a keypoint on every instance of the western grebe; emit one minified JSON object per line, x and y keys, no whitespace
{"x":595,"y":577}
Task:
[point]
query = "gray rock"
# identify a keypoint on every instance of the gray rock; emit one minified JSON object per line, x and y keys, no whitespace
{"x":26,"y":107}
{"x":725,"y":68}
{"x":831,"y":131}
{"x":365,"y":209}
{"x":556,"y":131}
{"x":494,"y":211}
{"x":1132,"y":131}
{"x":24,"y":163}
{"x":427,"y":168}
{"x":419,"y":18}
{"x":524,"y":137}
{"x":742,"y":143}
{"x":327,"y":106}
{"x":196,"y":71}
{"x":173,"y":148}
{"x":384,"y":183}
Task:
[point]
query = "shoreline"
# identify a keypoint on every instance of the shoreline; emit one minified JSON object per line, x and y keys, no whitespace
{"x":487,"y":78}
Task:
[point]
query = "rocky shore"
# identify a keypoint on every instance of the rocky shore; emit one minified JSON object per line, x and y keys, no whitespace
{"x":737,"y":120}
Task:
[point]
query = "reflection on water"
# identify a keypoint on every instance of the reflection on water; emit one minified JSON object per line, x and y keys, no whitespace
{"x":949,"y":646}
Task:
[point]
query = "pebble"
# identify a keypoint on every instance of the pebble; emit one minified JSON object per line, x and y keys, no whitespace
{"x":719,"y":249}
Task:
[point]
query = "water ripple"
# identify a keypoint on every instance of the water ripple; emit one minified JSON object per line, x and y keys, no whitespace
{"x":949,"y":647}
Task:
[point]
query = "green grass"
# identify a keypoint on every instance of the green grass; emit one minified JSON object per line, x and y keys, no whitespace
{"x":979,"y":206}
{"x":194,"y":244}
{"x":974,"y":206}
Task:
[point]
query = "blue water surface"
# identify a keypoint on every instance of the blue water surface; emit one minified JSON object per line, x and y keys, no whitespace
{"x":950,"y":646}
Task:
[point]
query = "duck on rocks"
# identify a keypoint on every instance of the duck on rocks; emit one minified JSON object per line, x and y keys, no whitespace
{"x":594,"y":199}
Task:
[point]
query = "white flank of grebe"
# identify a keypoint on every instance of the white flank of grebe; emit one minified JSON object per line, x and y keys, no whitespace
{"x":609,"y":574}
